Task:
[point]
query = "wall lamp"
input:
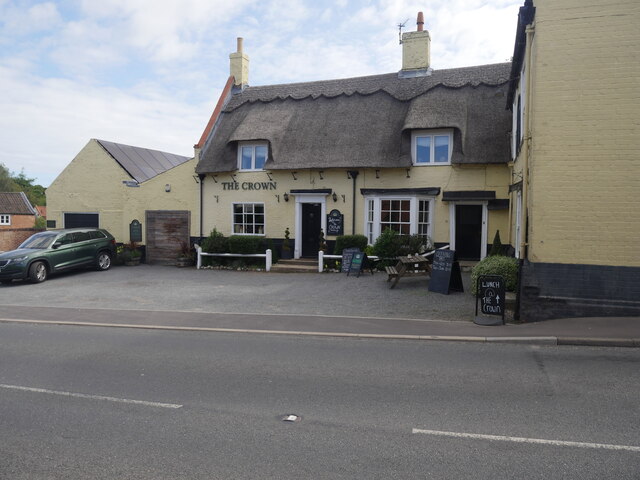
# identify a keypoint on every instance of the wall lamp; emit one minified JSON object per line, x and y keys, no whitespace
{"x":286,"y":197}
{"x":377,"y":173}
{"x":167,"y":188}
{"x":320,"y":172}
{"x":335,"y":197}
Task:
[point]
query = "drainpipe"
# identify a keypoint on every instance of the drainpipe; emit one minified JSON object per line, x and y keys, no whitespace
{"x":201,"y":177}
{"x":353,"y":174}
{"x":527,"y":147}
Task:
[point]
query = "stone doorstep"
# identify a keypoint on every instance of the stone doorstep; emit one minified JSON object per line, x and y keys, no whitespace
{"x":300,"y":265}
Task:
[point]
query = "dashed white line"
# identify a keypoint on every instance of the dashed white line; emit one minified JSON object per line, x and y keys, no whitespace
{"x":502,"y":438}
{"x":90,"y":397}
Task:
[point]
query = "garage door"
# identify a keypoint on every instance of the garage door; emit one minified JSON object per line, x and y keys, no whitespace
{"x":166,"y":230}
{"x":75,"y":220}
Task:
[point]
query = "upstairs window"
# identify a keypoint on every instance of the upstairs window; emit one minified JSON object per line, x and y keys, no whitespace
{"x":429,"y":147}
{"x":252,"y":156}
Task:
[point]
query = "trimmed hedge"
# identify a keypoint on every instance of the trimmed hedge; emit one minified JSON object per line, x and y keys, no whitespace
{"x":506,"y":267}
{"x":245,"y":244}
{"x":349,"y":241}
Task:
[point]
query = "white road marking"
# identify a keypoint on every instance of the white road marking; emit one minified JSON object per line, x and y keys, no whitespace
{"x":502,"y":438}
{"x":90,"y":397}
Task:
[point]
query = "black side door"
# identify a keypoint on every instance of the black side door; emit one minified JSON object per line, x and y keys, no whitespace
{"x":311,"y":225}
{"x":468,"y":232}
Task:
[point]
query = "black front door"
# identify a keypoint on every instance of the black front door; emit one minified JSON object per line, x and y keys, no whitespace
{"x":311,"y":225}
{"x":468,"y":232}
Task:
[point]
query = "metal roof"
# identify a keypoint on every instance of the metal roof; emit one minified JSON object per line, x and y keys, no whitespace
{"x":142,"y":163}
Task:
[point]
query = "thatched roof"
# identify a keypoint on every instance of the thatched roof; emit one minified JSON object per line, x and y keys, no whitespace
{"x":365,"y":122}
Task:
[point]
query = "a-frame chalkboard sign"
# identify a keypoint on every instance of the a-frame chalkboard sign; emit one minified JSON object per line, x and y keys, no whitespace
{"x":357,"y":263}
{"x":445,"y":273}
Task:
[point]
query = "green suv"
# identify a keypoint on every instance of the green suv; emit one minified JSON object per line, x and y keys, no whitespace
{"x":55,"y":251}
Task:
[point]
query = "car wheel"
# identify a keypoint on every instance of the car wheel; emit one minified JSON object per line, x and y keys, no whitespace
{"x":37,"y":272}
{"x":104,"y":261}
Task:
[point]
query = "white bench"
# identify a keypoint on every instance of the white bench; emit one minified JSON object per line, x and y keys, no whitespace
{"x":266,"y":255}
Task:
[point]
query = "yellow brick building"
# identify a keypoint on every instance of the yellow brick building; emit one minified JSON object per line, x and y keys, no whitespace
{"x":575,"y":213}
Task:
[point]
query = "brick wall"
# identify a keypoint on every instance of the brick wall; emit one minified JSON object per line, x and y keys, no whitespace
{"x":553,"y":290}
{"x":585,"y":166}
{"x":10,"y":239}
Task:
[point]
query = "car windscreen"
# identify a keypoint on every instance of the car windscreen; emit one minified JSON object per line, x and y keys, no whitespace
{"x":39,"y":240}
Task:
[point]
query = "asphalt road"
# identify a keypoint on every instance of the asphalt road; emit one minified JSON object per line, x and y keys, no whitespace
{"x":91,"y":403}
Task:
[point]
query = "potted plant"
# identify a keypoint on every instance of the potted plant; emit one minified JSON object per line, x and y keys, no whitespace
{"x":286,"y":247}
{"x":185,"y":255}
{"x":131,"y":254}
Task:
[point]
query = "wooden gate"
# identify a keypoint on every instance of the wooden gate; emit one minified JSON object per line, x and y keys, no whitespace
{"x":167,"y":230}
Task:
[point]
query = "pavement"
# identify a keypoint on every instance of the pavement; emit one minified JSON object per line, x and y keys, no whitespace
{"x":322,"y":304}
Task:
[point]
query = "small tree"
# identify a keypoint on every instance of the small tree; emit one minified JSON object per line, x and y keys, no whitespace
{"x":496,"y":246}
{"x":322,"y":244}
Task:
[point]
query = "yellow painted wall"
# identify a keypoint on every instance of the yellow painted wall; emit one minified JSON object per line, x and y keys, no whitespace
{"x":92,"y":183}
{"x":585,"y":161}
{"x":280,"y":214}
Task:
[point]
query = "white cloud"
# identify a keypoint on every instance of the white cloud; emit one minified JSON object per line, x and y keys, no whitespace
{"x":148,"y":72}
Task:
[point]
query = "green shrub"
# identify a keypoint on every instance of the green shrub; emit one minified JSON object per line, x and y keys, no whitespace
{"x":387,"y":247}
{"x":244,"y":244}
{"x":216,"y":242}
{"x":349,"y":241}
{"x":412,"y":244}
{"x":506,"y":267}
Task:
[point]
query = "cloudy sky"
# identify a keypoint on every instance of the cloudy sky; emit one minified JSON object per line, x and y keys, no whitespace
{"x":149,"y":72}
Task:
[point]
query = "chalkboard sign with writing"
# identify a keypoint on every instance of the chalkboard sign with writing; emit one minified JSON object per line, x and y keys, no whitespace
{"x":445,"y":273}
{"x":347,"y":255}
{"x":490,"y":293}
{"x":358,"y":260}
{"x":335,"y":223}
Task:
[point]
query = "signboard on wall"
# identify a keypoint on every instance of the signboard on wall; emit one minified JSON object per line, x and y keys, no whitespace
{"x":135,"y":231}
{"x":335,"y":223}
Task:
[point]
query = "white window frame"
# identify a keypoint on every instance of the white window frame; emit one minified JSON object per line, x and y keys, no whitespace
{"x":5,"y":219}
{"x":373,"y":228}
{"x":253,"y":146}
{"x":233,"y":223}
{"x":432,"y":134}
{"x":520,"y":95}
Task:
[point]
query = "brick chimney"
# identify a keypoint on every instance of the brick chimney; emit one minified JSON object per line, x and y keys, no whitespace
{"x":416,"y":48}
{"x":239,"y":66}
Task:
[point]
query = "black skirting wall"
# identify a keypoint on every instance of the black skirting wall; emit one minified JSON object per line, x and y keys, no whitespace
{"x":554,"y":290}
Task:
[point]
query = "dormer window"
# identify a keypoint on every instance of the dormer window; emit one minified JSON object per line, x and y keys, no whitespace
{"x":252,"y":155}
{"x":431,"y":147}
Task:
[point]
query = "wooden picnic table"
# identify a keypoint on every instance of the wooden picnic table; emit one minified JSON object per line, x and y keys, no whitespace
{"x":411,"y":265}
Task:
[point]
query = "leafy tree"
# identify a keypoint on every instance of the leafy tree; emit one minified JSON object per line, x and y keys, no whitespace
{"x":35,"y":193}
{"x":7,"y":184}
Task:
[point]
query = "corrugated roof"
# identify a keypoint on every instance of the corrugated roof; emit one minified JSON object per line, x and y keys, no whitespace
{"x":142,"y":163}
{"x":365,"y":122}
{"x":15,"y":203}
